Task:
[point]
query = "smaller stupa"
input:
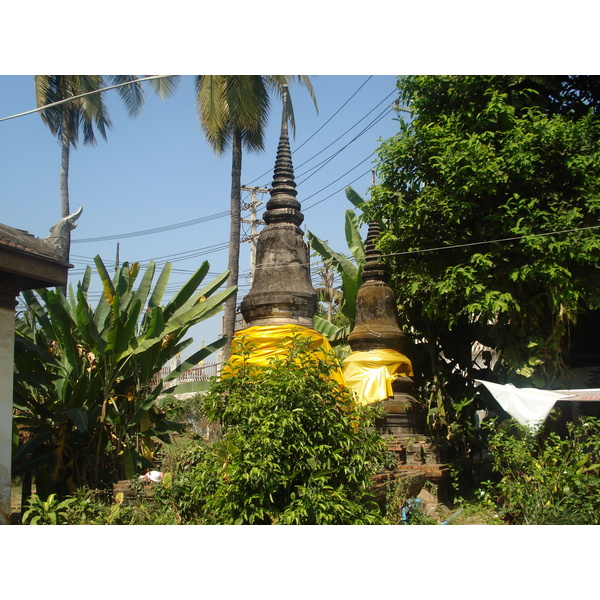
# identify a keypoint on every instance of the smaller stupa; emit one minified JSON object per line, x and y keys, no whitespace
{"x":376,"y":325}
{"x":378,"y":369}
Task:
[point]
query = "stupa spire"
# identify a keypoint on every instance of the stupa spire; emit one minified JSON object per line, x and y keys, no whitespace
{"x":374,"y":269}
{"x":283,"y":206}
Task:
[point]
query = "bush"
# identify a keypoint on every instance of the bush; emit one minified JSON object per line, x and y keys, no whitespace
{"x":51,"y":511}
{"x":545,"y":479}
{"x":296,"y":449}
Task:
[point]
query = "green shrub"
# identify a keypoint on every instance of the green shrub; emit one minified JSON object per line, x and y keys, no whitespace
{"x":545,"y":479}
{"x":296,"y":449}
{"x":51,"y":511}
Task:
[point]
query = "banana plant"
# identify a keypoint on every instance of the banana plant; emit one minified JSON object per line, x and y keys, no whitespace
{"x":350,"y":272}
{"x":84,"y":399}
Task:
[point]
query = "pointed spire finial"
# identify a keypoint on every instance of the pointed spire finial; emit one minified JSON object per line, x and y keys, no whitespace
{"x":374,"y":269}
{"x":283,"y":206}
{"x":284,"y":115}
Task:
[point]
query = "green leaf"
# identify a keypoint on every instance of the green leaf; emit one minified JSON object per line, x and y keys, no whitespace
{"x":214,"y":285}
{"x":339,"y":262}
{"x":188,"y":387}
{"x":145,"y":405}
{"x":79,"y":418}
{"x":354,"y":198}
{"x":33,"y":444}
{"x":353,"y":238}
{"x":145,"y":286}
{"x":195,"y":358}
{"x":160,"y":287}
{"x":107,"y":284}
{"x":187,"y":290}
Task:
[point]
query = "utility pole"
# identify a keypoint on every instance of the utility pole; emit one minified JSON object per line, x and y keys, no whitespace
{"x":117,"y":259}
{"x":253,"y":221}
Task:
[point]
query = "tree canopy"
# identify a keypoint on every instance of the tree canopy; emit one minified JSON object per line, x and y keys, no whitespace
{"x":490,"y":197}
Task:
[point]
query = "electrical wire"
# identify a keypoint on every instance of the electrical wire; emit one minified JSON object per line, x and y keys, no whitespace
{"x":334,"y":114}
{"x":369,"y":126}
{"x":498,"y":241}
{"x":305,"y":208}
{"x":341,"y":176}
{"x":119,"y":236}
{"x":260,"y":177}
{"x":470,"y":244}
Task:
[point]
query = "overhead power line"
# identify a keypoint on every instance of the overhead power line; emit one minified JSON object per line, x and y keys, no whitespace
{"x":470,"y":244}
{"x":260,"y":177}
{"x":120,"y":236}
{"x":310,"y":137}
{"x":305,"y":208}
{"x":376,"y":120}
{"x":498,"y":241}
{"x":318,"y":167}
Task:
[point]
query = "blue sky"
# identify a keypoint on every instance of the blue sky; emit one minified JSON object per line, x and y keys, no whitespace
{"x":158,"y":170}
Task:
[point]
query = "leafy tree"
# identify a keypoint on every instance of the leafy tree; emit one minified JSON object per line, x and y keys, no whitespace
{"x":233,"y":111}
{"x":490,"y":196}
{"x":68,"y":120}
{"x":296,"y":449}
{"x":84,"y":395}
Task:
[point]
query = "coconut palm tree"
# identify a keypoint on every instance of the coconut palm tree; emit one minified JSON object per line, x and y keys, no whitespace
{"x":234,"y":111}
{"x":67,"y":120}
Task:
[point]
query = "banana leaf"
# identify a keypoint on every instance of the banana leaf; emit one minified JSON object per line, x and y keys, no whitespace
{"x":194,"y":359}
{"x":187,"y":290}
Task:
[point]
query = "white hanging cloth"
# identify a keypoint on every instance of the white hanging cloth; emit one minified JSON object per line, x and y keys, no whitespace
{"x":528,"y":406}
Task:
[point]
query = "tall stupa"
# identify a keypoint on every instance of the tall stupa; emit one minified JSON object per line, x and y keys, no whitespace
{"x":282,"y":292}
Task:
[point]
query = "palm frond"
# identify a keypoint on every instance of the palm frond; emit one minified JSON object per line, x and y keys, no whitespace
{"x":213,"y":111}
{"x":276,"y":83}
{"x":249,"y":103}
{"x":241,"y":103}
{"x":132,"y":95}
{"x":68,"y":119}
{"x":165,"y":86}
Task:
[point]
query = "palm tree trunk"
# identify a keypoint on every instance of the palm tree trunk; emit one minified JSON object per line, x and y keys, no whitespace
{"x":64,"y":177}
{"x":64,"y":191}
{"x":234,"y":239}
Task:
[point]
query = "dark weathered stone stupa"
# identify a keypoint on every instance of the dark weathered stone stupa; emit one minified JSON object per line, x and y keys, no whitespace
{"x":376,"y":330}
{"x":282,"y":292}
{"x":376,"y":325}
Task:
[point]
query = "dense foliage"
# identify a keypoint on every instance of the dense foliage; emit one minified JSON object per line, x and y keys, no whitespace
{"x":84,"y":397}
{"x":545,"y":479}
{"x":289,"y":447}
{"x":295,"y":449}
{"x":490,"y":198}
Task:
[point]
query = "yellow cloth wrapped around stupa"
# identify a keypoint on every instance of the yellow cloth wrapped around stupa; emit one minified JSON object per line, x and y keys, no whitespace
{"x":268,"y":341}
{"x":370,"y":374}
